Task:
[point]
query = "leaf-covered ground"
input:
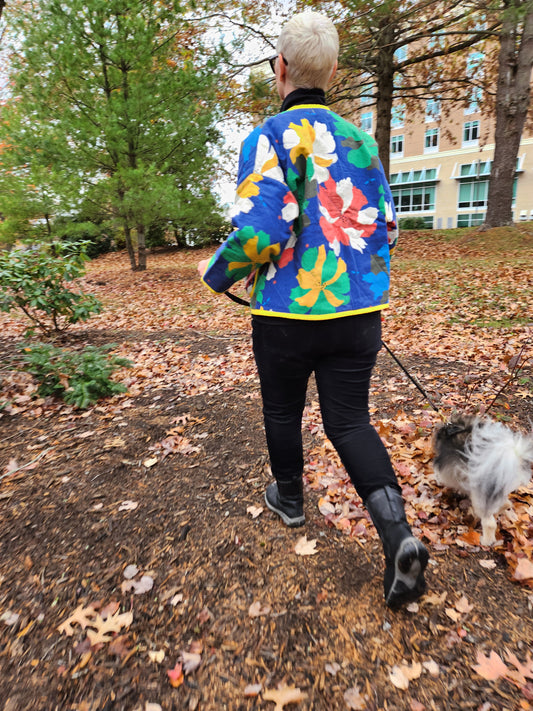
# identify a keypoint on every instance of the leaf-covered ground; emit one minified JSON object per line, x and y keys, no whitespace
{"x":140,"y":570}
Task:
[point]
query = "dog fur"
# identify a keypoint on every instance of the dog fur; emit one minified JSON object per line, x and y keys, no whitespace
{"x":484,"y":460}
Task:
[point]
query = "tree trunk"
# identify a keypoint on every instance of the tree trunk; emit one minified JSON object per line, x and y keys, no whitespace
{"x":385,"y":91}
{"x":512,"y":102}
{"x":129,"y":246}
{"x":141,"y":247}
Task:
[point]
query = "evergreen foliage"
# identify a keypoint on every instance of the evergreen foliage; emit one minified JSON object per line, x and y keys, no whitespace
{"x":79,"y":377}
{"x":115,"y":107}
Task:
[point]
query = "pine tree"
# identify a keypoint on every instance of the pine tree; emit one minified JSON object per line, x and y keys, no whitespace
{"x":113,"y":99}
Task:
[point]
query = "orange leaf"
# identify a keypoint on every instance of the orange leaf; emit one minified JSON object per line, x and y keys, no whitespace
{"x":471,"y":537}
{"x":176,"y":675}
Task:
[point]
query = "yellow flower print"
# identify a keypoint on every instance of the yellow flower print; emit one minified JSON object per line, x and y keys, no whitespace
{"x":314,"y":142}
{"x":323,"y":282}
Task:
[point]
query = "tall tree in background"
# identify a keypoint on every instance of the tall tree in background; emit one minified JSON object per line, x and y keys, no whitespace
{"x":399,"y":51}
{"x":113,"y":97}
{"x":515,"y":61}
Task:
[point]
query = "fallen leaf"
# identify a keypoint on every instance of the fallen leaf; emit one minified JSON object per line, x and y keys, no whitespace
{"x":10,"y":618}
{"x":490,"y":668}
{"x":152,"y":707}
{"x":305,"y":547}
{"x":254,"y":511}
{"x":354,"y":700}
{"x":435,"y":599}
{"x":487,"y":564}
{"x":176,"y":675}
{"x":156,"y":655}
{"x":332,"y":668}
{"x":105,"y":628}
{"x":130,"y":571}
{"x":471,"y":537}
{"x":128,"y":506}
{"x":252,"y":690}
{"x":398,"y":678}
{"x":463,"y":605}
{"x":257,"y":609}
{"x":190,"y":661}
{"x":150,"y":462}
{"x":523,"y":570}
{"x":432,"y":667}
{"x":416,"y":706}
{"x":145,"y":584}
{"x":176,"y":599}
{"x":285,"y":695}
{"x":412,"y":671}
{"x":453,"y":614}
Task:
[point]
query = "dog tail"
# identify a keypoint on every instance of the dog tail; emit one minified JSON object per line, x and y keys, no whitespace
{"x":498,"y":453}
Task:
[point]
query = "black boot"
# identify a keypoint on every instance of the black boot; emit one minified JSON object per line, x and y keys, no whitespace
{"x":405,"y":556}
{"x":287,"y":500}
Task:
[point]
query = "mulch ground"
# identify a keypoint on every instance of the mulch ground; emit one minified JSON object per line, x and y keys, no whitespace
{"x":229,"y":592}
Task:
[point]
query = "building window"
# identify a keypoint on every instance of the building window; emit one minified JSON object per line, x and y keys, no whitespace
{"x":475,"y":100}
{"x":396,"y":146}
{"x":414,"y":199}
{"x":471,"y":133}
{"x":473,"y":193}
{"x":400,"y":55}
{"x":431,"y":140}
{"x":366,"y":121}
{"x":397,"y":116}
{"x":432,"y":110}
{"x":367,"y":94}
{"x":470,"y":219}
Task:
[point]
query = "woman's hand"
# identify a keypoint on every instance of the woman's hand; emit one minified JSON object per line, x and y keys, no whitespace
{"x":202,"y":266}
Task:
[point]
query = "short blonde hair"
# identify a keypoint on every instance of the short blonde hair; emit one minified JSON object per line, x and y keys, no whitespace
{"x":310,"y":44}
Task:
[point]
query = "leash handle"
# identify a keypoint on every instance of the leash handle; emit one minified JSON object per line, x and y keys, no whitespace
{"x":236,"y":299}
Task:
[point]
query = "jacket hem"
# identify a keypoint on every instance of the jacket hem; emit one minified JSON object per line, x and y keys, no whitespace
{"x":318,"y":317}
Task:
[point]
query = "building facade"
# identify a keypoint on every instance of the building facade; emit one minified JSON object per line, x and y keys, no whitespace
{"x":440,"y":165}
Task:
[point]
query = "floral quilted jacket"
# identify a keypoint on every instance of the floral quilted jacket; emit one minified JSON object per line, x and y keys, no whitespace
{"x":314,"y":219}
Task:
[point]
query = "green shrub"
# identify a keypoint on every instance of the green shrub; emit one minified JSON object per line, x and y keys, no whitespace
{"x":413,"y":223}
{"x":32,"y":280}
{"x":79,"y":377}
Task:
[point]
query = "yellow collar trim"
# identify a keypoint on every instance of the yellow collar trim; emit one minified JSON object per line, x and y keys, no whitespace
{"x":309,"y":106}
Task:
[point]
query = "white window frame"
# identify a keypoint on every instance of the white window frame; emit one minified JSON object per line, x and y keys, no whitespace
{"x":433,"y":135}
{"x":468,"y":142}
{"x":368,"y":118}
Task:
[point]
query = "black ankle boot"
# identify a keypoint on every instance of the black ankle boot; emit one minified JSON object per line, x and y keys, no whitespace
{"x":287,"y":501}
{"x":405,"y":556}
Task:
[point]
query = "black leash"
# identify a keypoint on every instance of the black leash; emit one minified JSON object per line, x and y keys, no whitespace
{"x":242,"y":302}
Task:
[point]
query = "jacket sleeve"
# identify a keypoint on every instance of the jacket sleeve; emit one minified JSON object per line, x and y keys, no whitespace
{"x":263,"y":215}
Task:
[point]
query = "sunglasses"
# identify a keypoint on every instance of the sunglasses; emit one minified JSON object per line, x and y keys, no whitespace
{"x":272,"y":62}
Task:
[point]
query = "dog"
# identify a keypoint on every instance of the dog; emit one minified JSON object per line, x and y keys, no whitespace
{"x":486,"y":461}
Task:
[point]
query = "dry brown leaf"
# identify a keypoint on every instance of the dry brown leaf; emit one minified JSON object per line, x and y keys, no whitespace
{"x":252,"y":690}
{"x":487,"y":564}
{"x":83,"y":616}
{"x":354,"y":700}
{"x":285,"y":695}
{"x":257,"y":609}
{"x":398,"y":678}
{"x":453,"y":614}
{"x":150,"y":462}
{"x":305,"y":547}
{"x":105,"y":628}
{"x":490,"y":668}
{"x":523,"y":570}
{"x":190,"y":661}
{"x":156,"y":655}
{"x":463,"y":605}
{"x":431,"y":667}
{"x":254,"y":511}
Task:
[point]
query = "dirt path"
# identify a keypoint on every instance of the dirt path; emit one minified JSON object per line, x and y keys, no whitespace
{"x":230,"y":596}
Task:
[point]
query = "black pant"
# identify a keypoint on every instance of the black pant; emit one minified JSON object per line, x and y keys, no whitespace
{"x":342,"y":353}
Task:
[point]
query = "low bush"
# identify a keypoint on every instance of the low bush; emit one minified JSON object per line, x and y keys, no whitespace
{"x":79,"y":377}
{"x":33,"y":281}
{"x":413,"y":223}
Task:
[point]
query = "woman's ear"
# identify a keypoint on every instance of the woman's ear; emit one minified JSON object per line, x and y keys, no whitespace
{"x":334,"y":70}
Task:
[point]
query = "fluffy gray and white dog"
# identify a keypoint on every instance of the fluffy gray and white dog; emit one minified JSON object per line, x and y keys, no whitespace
{"x":484,"y":460}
